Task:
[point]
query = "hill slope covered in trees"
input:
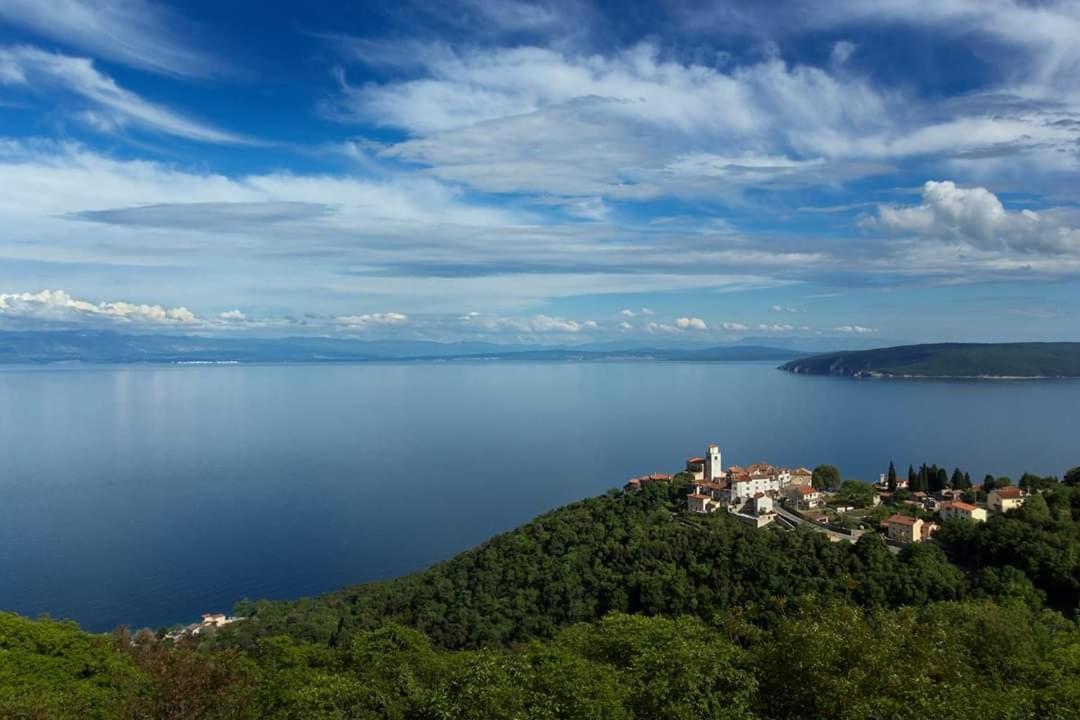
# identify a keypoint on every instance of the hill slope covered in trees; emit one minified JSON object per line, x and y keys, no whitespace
{"x":620,"y":608}
{"x":948,"y":360}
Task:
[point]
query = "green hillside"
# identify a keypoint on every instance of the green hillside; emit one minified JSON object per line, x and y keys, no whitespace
{"x":619,"y":608}
{"x":948,"y":360}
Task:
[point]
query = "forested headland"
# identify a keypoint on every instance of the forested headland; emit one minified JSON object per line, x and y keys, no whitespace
{"x":621,"y":607}
{"x":948,"y":360}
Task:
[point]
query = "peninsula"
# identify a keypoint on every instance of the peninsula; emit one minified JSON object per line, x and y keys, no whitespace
{"x":948,"y":360}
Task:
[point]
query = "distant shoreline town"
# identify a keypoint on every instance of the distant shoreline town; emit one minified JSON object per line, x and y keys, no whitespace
{"x":903,"y":509}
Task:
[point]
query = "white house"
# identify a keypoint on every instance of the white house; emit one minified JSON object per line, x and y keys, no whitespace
{"x":747,"y":486}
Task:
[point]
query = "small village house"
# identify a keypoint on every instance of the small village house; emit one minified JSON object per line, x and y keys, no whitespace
{"x":1005,"y":498}
{"x":904,"y":528}
{"x":957,"y":510}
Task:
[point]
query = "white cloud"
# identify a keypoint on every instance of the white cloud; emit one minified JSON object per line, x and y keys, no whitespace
{"x":690,"y":323}
{"x":976,"y":217}
{"x":57,"y":305}
{"x":536,"y":324}
{"x":786,"y":309}
{"x":625,"y":326}
{"x":631,"y":124}
{"x":734,"y":326}
{"x":776,"y":327}
{"x":842,"y":51}
{"x":647,"y":311}
{"x":115,"y":107}
{"x":358,"y":322}
{"x":348,"y":236}
{"x":856,"y":329}
{"x":233,"y":316}
{"x":135,"y":32}
{"x":628,"y":313}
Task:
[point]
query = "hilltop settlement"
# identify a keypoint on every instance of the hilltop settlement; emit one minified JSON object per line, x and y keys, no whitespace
{"x":903,"y":509}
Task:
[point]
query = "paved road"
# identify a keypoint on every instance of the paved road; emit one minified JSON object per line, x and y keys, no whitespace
{"x":795,"y":520}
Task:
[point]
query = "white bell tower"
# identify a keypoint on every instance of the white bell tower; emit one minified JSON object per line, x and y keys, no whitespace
{"x":713,"y":469}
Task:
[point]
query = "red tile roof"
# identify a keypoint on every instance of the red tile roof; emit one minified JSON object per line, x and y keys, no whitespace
{"x":966,"y":507}
{"x":1009,"y":492}
{"x":804,"y":490}
{"x":900,"y":520}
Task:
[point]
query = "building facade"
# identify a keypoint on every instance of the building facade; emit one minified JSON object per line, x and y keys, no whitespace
{"x":957,"y":510}
{"x":904,"y":528}
{"x":1005,"y":499}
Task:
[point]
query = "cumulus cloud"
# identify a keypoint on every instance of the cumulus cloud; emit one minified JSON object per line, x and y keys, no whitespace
{"x":776,"y":327}
{"x":976,"y":217}
{"x":57,"y":305}
{"x":233,"y":315}
{"x":690,"y":323}
{"x":628,"y":313}
{"x":855,"y":329}
{"x":112,"y":107}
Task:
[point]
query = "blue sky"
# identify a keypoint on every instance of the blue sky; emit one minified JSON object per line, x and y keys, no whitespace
{"x":545,"y":172}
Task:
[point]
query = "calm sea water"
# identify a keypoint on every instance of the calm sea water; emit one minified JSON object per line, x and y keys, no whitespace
{"x":148,"y":495}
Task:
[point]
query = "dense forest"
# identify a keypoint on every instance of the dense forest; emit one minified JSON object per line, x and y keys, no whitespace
{"x":948,"y":360}
{"x":621,"y":607}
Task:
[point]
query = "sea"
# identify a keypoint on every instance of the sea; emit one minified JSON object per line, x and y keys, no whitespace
{"x":148,"y":495}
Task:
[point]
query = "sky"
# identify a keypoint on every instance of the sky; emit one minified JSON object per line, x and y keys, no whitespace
{"x":860,"y":172}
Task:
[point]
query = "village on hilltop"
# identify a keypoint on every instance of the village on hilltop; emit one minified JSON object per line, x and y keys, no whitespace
{"x":761,"y":494}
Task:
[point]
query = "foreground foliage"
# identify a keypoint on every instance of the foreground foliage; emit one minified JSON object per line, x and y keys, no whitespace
{"x":952,"y":660}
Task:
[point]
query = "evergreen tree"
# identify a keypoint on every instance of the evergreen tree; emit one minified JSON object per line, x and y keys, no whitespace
{"x":957,"y":482}
{"x":922,"y":481}
{"x":940,"y":481}
{"x":911,"y":477}
{"x":892,"y":477}
{"x":989,"y":483}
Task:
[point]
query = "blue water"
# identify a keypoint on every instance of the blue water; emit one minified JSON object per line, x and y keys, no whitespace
{"x":148,"y":495}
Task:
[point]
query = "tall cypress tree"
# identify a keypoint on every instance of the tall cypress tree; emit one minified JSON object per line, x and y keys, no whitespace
{"x":911,"y":477}
{"x":892,"y":477}
{"x":957,"y":482}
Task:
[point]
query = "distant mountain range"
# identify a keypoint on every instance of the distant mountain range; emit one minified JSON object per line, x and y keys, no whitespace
{"x":948,"y":360}
{"x":37,"y":347}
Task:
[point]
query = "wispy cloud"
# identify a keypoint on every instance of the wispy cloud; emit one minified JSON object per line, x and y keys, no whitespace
{"x":139,"y":33}
{"x":110,"y":106}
